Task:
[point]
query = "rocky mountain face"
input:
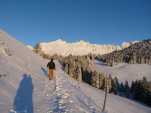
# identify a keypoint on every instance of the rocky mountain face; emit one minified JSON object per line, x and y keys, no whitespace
{"x":62,"y":48}
{"x":136,"y":53}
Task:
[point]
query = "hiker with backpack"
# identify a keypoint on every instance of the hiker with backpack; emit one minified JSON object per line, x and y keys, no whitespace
{"x":51,"y":68}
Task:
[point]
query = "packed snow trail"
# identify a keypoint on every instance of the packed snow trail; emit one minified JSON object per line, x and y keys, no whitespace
{"x":69,"y":98}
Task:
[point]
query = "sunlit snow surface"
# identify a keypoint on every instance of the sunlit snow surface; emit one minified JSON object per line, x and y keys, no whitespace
{"x":123,"y":71}
{"x":26,"y":88}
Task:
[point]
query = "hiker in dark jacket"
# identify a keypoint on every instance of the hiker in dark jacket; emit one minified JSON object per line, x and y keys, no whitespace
{"x":51,"y":68}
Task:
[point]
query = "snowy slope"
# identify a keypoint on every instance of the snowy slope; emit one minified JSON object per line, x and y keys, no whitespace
{"x":17,"y":67}
{"x":125,"y":71}
{"x":128,"y":44}
{"x":63,"y":48}
{"x":30,"y":47}
{"x":26,"y":89}
{"x":72,"y":95}
{"x":115,"y":104}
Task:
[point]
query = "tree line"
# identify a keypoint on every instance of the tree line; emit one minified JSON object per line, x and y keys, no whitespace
{"x":80,"y":68}
{"x":138,"y":53}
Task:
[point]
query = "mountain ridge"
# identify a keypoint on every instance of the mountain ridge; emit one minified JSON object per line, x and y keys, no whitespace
{"x":136,"y":53}
{"x":63,"y":48}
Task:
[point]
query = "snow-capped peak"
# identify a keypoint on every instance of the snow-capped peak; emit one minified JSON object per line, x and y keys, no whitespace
{"x":60,"y":41}
{"x":81,"y":47}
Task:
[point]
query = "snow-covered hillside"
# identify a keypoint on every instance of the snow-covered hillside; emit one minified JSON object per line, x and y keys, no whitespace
{"x":30,"y":47}
{"x":22,"y":70}
{"x":115,"y":104}
{"x":128,"y":44}
{"x":25,"y":87}
{"x":125,"y":71}
{"x":60,"y":47}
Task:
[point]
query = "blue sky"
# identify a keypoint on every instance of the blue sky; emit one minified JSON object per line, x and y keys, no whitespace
{"x":96,"y":21}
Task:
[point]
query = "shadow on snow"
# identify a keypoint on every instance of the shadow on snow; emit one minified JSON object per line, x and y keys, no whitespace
{"x":23,"y":100}
{"x":44,"y":71}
